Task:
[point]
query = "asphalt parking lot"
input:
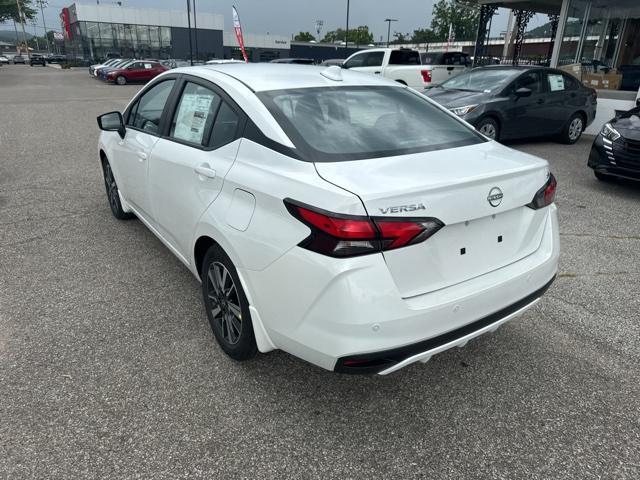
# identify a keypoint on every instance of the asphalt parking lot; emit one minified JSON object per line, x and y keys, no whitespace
{"x":108,"y":367}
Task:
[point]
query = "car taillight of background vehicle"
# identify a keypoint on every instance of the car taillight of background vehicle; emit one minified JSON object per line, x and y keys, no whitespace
{"x":426,"y":76}
{"x":338,"y":235}
{"x":545,"y":195}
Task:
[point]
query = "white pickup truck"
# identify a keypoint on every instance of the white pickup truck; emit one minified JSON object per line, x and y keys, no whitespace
{"x":405,"y":66}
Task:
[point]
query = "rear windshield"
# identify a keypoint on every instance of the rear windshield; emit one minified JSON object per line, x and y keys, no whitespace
{"x":404,"y":57}
{"x":481,"y":80}
{"x":330,"y":124}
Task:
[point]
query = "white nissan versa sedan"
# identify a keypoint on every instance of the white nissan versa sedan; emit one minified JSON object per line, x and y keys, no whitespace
{"x":343,"y":218}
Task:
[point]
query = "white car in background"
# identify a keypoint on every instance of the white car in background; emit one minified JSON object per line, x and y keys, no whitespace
{"x":445,"y":65}
{"x":402,"y":65}
{"x":93,"y":69}
{"x":343,"y":218}
{"x":221,"y":61}
{"x":4,"y":60}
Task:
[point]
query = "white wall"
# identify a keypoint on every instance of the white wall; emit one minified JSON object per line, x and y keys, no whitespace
{"x":606,"y":111}
{"x":252,"y":40}
{"x":145,"y":16}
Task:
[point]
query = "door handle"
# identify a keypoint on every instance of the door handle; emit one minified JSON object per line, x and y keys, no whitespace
{"x":142,"y":156}
{"x":378,"y":73}
{"x":205,"y":171}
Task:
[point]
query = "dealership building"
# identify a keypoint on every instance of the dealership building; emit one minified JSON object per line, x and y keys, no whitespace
{"x":96,"y":31}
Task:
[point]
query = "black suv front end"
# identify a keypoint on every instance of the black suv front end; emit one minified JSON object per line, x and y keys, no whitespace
{"x":616,"y":149}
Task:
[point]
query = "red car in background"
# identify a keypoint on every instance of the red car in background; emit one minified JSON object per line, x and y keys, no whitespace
{"x":136,"y":72}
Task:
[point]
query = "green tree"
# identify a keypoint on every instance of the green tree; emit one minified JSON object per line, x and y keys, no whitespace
{"x":9,"y":10}
{"x":423,"y":35}
{"x":462,"y":19}
{"x":399,"y":37}
{"x":358,"y":36}
{"x":304,"y":37}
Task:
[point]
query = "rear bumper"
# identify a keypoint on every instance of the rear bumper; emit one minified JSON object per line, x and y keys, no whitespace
{"x":391,"y":360}
{"x":327,"y":310}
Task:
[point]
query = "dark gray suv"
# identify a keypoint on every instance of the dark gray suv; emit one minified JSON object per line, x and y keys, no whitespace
{"x":508,"y":102}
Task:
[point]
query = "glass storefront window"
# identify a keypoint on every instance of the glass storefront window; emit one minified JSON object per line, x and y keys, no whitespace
{"x":143,"y":34}
{"x":592,"y":34}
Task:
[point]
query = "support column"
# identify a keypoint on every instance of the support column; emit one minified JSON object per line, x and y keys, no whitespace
{"x":522,"y":19}
{"x":583,"y":33}
{"x":553,"y":20}
{"x":486,"y":14}
{"x":557,"y":43}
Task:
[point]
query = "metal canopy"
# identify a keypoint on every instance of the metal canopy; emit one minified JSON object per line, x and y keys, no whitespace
{"x":630,"y":8}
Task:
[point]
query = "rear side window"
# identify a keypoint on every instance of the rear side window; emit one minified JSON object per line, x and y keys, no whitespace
{"x":195,"y":114}
{"x":556,"y":82}
{"x":224,"y":127}
{"x":146,"y":112}
{"x":349,"y":123}
{"x":404,"y":57}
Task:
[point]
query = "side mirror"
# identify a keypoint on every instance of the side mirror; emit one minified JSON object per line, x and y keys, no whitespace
{"x":523,"y":92}
{"x":112,"y":122}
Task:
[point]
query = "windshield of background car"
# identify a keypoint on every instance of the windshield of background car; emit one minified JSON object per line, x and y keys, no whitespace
{"x":330,"y":124}
{"x":482,"y":80}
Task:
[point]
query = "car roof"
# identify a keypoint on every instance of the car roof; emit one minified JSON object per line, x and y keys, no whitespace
{"x":272,"y":76}
{"x":512,"y":67}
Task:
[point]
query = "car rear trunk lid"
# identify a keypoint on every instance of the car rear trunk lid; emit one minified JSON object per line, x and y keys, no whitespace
{"x":461,"y":187}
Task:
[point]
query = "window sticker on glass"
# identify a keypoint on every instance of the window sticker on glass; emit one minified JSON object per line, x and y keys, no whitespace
{"x":192,"y":115}
{"x":556,"y":82}
{"x":147,"y":65}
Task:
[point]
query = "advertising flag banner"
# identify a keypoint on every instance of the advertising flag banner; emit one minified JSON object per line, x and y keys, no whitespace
{"x":238,"y":29}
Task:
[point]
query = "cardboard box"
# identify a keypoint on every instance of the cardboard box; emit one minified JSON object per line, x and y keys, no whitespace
{"x":574,"y":69}
{"x":610,"y":81}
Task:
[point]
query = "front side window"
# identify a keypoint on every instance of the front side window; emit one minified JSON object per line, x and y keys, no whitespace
{"x":147,"y":111}
{"x":530,"y":80}
{"x":195,"y":113}
{"x":373,"y":59}
{"x":355,"y":61}
{"x":333,"y":124}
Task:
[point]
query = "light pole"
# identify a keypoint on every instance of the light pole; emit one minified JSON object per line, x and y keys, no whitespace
{"x":346,"y":34}
{"x":24,"y":34}
{"x":195,"y":28}
{"x":189,"y":27}
{"x":43,"y":3}
{"x":389,"y":20}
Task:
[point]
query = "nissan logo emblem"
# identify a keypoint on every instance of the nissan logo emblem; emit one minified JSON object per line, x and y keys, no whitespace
{"x":495,"y":197}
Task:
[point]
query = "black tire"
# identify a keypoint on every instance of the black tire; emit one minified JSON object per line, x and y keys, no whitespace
{"x":489,"y":128}
{"x":571,"y":132}
{"x":231,"y":326}
{"x":120,"y":80}
{"x":112,"y":193}
{"x":603,"y":177}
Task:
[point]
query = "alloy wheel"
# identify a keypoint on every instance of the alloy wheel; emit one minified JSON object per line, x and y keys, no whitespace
{"x":224,"y":302}
{"x":575,"y":129}
{"x":488,"y":130}
{"x":112,"y":187}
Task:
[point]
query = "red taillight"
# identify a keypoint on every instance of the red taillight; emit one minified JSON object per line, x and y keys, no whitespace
{"x":426,"y":76}
{"x":545,"y":195}
{"x":349,"y":228}
{"x":340,"y":235}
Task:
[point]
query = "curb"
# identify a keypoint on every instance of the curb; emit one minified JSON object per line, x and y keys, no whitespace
{"x":54,"y":65}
